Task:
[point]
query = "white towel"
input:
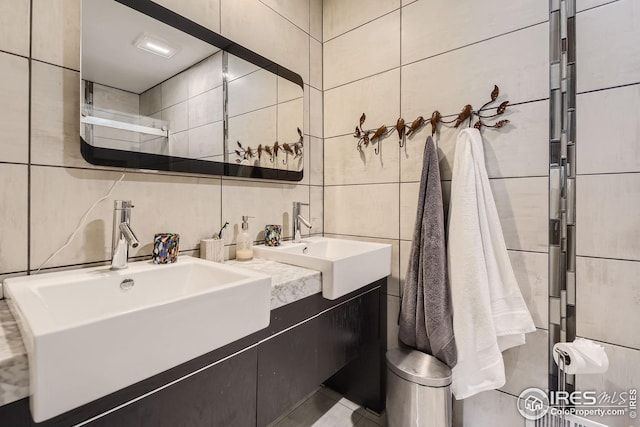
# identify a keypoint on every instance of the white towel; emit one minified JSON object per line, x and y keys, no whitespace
{"x":489,"y":313}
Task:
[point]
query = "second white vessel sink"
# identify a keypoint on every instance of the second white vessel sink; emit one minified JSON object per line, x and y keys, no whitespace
{"x":346,"y":265}
{"x":93,"y":331}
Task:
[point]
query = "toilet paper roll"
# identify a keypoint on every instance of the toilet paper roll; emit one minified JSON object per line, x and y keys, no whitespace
{"x":586,"y":357}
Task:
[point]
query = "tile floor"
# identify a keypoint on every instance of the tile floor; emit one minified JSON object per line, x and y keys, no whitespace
{"x":326,"y":408}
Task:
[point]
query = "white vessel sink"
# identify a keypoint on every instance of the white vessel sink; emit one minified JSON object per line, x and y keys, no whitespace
{"x":87,"y":334}
{"x":346,"y":265}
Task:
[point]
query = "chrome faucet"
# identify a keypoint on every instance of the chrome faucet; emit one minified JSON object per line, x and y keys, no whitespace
{"x":297,"y":219}
{"x":123,"y":235}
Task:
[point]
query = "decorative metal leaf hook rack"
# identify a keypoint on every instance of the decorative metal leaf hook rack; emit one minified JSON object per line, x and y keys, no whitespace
{"x":370,"y":136}
{"x":294,"y":149}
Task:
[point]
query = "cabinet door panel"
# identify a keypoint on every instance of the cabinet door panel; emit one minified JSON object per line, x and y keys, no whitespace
{"x":220,"y":396}
{"x":345,"y":332}
{"x":287,"y":370}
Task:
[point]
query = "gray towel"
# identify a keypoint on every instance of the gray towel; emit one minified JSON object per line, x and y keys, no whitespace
{"x":426,"y":321}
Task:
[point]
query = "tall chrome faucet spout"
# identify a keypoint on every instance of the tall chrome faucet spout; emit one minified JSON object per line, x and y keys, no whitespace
{"x":123,"y":235}
{"x":297,"y":219}
{"x":131,"y":238}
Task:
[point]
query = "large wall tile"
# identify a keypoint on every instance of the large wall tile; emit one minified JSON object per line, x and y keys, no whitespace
{"x":315,"y":112}
{"x":205,"y":108}
{"x":412,"y":154}
{"x":13,"y":211}
{"x":341,"y":16}
{"x":115,"y":99}
{"x":288,"y":91}
{"x":367,"y":50}
{"x":424,"y":23}
{"x":268,"y":202}
{"x":519,"y":149}
{"x":315,"y":151}
{"x":251,"y":92}
{"x":14,"y":26}
{"x":603,"y":284}
{"x":345,"y":165}
{"x":257,"y":27}
{"x":56,"y":32}
{"x":487,"y":409}
{"x":526,"y":365}
{"x":606,"y":224}
{"x":151,"y":101}
{"x":523,"y":208}
{"x":598,"y":114}
{"x":623,"y":375}
{"x":178,"y":117}
{"x":296,"y":11}
{"x":263,"y":127}
{"x":315,"y":64}
{"x":316,"y":210}
{"x":60,"y":196}
{"x":362,"y":210}
{"x":408,"y":209}
{"x":315,"y":19}
{"x":405,"y":252}
{"x":205,"y":75}
{"x":307,"y":108}
{"x":205,"y":13}
{"x":175,"y":90}
{"x":608,"y":55}
{"x":377,"y":96}
{"x":14,"y":110}
{"x":393,"y":312}
{"x":55,"y":113}
{"x":588,"y":4}
{"x":206,"y":141}
{"x":532,"y":272}
{"x":445,"y":82}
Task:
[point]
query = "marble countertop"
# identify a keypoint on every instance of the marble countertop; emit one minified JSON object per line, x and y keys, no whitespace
{"x":14,"y":367}
{"x":288,"y":284}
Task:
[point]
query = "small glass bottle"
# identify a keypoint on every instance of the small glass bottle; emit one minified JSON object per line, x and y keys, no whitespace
{"x":244,"y":247}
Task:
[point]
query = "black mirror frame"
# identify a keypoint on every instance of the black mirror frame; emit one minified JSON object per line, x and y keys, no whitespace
{"x":136,"y":160}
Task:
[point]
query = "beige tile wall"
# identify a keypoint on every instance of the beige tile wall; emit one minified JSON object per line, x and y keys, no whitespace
{"x":387,"y":59}
{"x":608,"y":191}
{"x":47,"y":185}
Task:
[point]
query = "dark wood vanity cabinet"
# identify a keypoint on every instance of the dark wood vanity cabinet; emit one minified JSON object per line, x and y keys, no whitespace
{"x":253,"y":381}
{"x":294,"y":363}
{"x":222,"y":395}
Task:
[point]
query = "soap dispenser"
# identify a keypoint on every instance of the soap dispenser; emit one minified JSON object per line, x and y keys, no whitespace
{"x":244,"y":247}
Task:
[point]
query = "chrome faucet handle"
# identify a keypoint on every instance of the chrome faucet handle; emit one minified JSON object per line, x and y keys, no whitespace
{"x":123,"y":204}
{"x":122,"y":236}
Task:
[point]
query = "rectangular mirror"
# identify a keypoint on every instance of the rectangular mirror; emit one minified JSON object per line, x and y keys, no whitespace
{"x":160,"y":92}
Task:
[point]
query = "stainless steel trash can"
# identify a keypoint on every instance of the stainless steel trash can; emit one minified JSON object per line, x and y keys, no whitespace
{"x":418,"y":390}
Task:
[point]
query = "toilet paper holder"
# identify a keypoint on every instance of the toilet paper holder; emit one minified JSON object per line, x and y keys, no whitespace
{"x":563,"y":360}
